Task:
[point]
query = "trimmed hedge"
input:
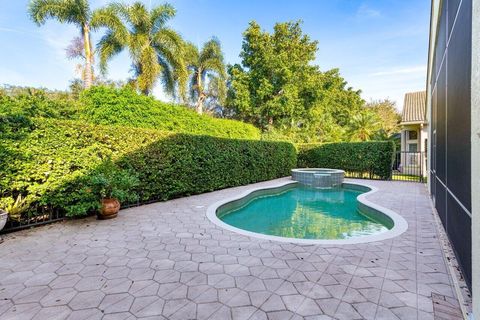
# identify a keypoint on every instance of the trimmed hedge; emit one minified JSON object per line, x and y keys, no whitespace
{"x":48,"y":161}
{"x":124,"y":107}
{"x":365,"y":159}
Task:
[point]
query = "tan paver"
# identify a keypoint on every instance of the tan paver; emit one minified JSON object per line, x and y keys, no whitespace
{"x":168,"y":261}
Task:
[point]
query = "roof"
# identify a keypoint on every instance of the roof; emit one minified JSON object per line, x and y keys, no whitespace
{"x":414,"y":110}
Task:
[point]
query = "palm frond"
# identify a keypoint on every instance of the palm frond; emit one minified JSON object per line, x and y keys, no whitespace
{"x":109,"y":18}
{"x":160,"y":15}
{"x":191,"y":55}
{"x":70,"y":11}
{"x":108,"y":46}
{"x":167,"y":76}
{"x":149,"y":69}
{"x":139,"y":17}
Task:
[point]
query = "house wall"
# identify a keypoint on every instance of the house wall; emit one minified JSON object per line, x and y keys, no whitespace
{"x":422,"y":134}
{"x":450,"y":117}
{"x":424,"y":142}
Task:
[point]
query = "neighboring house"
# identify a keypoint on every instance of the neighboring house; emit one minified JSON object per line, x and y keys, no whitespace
{"x":414,"y":135}
{"x":453,"y":104}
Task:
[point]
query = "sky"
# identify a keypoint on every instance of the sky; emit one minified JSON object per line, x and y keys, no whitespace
{"x":379,"y":46}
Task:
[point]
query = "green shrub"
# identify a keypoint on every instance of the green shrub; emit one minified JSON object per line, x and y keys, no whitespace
{"x":124,"y":107}
{"x":29,"y":102}
{"x":119,"y":107}
{"x":368,"y":159}
{"x":51,"y":162}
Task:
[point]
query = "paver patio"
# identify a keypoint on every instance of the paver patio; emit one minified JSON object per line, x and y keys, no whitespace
{"x":168,"y":261}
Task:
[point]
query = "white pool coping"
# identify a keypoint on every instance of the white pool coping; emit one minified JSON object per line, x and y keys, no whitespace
{"x":400,"y":225}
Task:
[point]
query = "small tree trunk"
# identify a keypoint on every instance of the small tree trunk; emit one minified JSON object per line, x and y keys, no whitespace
{"x":88,"y":73}
{"x":199,"y":105}
{"x":201,"y":95}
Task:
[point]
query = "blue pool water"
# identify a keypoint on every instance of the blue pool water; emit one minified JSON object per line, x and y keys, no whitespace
{"x":305,"y":213}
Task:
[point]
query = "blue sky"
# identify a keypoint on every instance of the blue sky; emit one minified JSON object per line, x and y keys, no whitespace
{"x":379,"y":46}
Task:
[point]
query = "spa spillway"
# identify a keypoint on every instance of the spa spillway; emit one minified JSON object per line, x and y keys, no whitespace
{"x":319,"y":177}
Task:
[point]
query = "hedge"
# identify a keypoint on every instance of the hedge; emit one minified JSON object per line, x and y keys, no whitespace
{"x":120,"y":107}
{"x":124,"y":107}
{"x":363,"y":159}
{"x":47,"y":160}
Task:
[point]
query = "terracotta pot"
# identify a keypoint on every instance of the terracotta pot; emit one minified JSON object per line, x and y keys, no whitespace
{"x":109,"y":209}
{"x":3,"y":218}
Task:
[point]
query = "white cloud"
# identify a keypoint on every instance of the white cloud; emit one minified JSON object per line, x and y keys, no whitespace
{"x":401,"y":70}
{"x":365,"y":11}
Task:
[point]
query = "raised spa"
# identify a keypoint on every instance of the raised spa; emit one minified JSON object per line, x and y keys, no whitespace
{"x":319,"y":177}
{"x":298,"y":211}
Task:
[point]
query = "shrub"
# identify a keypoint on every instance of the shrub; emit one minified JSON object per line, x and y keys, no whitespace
{"x":51,"y":162}
{"x":120,"y":107}
{"x":372,"y":158}
{"x":124,"y":107}
{"x":29,"y":102}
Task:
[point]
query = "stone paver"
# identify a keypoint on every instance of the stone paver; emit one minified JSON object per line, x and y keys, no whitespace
{"x":168,"y":261}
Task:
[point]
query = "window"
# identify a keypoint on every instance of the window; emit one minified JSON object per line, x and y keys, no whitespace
{"x":412,"y":135}
{"x":412,"y":155}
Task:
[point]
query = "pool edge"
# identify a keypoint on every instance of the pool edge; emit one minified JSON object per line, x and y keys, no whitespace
{"x":400,"y":225}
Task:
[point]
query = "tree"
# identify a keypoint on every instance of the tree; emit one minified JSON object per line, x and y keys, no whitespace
{"x":76,"y":12}
{"x":364,"y":125}
{"x":278,"y":88}
{"x":207,"y":73}
{"x":389,"y":115}
{"x":266,"y":88}
{"x":155,"y":49}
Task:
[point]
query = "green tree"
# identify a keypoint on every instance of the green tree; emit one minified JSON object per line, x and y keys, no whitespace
{"x":156,"y":50}
{"x":364,"y":125}
{"x":278,"y":88}
{"x":207,"y":73}
{"x":76,"y":12}
{"x":265,"y":89}
{"x":389,"y":115}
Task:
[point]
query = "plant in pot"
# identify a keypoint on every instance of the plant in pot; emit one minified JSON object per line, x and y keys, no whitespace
{"x":113,"y":185}
{"x":12,"y":209}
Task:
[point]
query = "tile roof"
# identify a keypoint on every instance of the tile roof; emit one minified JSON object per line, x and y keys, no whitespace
{"x":414,"y":107}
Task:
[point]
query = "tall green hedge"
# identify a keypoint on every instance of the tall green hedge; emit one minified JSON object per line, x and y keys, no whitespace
{"x":124,"y":107}
{"x":364,"y":159}
{"x":120,"y":107}
{"x":47,"y":160}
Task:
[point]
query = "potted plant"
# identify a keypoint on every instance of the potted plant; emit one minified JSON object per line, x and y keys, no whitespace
{"x":113,"y":186}
{"x":12,"y":209}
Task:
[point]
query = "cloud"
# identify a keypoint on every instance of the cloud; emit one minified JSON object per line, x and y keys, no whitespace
{"x":365,"y":11}
{"x":402,"y":70}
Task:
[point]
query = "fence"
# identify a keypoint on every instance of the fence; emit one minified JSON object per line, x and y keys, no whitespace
{"x":36,"y":217}
{"x":406,"y":166}
{"x":410,"y":166}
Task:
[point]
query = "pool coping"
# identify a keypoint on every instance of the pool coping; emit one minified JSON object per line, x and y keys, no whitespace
{"x":400,"y":225}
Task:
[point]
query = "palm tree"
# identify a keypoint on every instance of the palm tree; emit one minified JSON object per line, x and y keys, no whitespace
{"x":203,"y":64}
{"x":156,"y":50}
{"x":76,"y":12}
{"x":364,"y":125}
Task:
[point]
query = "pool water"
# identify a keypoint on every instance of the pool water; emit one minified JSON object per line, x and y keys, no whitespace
{"x":305,"y":213}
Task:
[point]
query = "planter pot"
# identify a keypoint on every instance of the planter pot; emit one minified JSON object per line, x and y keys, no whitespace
{"x":109,"y":209}
{"x":3,"y":219}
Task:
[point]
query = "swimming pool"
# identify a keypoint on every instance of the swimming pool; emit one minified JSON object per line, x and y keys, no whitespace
{"x":296,"y":213}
